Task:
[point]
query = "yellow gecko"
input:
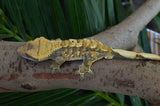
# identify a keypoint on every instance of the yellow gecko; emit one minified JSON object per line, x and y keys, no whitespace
{"x":87,"y":50}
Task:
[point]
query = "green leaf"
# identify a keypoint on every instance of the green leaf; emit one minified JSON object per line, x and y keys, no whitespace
{"x":59,"y":21}
{"x":108,"y":98}
{"x":120,"y":12}
{"x":136,"y":101}
{"x":157,"y":20}
{"x":15,"y":14}
{"x":111,"y":13}
{"x":121,"y":98}
{"x":144,"y":41}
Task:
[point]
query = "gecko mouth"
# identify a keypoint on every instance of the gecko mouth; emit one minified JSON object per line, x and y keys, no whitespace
{"x":30,"y":57}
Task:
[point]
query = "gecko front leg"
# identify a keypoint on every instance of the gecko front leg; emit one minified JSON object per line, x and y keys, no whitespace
{"x":57,"y":62}
{"x":88,"y":59}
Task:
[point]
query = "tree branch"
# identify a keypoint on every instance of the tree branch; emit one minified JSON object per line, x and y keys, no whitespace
{"x":125,"y":34}
{"x":131,"y":77}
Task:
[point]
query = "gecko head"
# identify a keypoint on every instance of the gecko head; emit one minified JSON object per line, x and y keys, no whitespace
{"x":37,"y":50}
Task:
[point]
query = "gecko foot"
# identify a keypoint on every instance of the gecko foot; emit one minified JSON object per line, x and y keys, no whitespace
{"x":52,"y":72}
{"x":82,"y":70}
{"x":56,"y":70}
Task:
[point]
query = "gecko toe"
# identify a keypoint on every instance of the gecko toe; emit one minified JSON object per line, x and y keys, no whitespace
{"x":91,"y":72}
{"x":58,"y":70}
{"x":77,"y":72}
{"x":53,"y":72}
{"x":80,"y":73}
{"x":81,"y":76}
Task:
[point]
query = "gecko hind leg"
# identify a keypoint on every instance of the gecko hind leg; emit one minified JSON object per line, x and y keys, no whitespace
{"x":88,"y":59}
{"x":58,"y":61}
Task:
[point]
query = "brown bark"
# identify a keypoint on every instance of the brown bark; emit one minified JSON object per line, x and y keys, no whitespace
{"x":131,"y":77}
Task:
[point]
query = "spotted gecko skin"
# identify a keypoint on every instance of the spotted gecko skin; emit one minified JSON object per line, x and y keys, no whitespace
{"x":60,"y":51}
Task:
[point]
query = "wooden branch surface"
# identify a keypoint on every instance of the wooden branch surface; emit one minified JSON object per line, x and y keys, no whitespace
{"x":131,"y":77}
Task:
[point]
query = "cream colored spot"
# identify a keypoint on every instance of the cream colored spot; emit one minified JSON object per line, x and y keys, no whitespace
{"x":124,"y":53}
{"x":86,"y":43}
{"x":72,"y":42}
{"x":79,"y":43}
{"x":149,"y":56}
{"x":65,"y":43}
{"x":93,"y":44}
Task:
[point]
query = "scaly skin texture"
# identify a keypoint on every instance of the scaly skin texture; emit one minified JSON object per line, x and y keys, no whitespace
{"x":82,"y":49}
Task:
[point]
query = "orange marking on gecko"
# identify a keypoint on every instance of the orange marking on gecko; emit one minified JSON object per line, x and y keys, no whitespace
{"x":55,"y":76}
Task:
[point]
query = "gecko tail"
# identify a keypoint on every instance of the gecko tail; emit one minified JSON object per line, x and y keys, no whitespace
{"x":135,"y":55}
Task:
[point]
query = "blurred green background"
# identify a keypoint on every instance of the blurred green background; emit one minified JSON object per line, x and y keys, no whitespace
{"x":23,"y":20}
